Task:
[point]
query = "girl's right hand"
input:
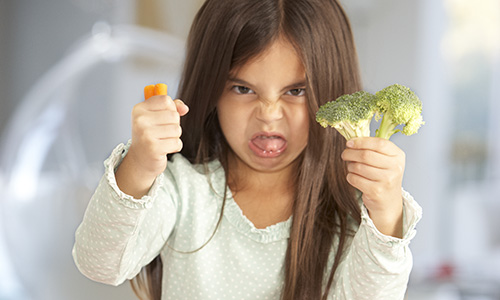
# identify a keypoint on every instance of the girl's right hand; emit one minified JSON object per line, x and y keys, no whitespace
{"x":156,"y":132}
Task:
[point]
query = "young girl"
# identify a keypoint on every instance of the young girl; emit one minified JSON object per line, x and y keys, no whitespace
{"x":261,"y":202}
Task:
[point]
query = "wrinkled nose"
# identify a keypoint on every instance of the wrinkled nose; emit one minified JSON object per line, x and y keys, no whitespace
{"x":270,"y":111}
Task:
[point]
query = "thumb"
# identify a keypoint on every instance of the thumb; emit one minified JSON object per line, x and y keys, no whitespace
{"x":182,"y":108}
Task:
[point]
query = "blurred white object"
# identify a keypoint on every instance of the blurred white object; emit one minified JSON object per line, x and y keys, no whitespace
{"x":434,"y":292}
{"x":52,"y":151}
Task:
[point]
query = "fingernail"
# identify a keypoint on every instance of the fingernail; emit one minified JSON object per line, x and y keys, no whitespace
{"x":349,"y":144}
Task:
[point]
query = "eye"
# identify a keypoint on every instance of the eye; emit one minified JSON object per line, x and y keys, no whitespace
{"x":297,"y":92}
{"x":239,"y":89}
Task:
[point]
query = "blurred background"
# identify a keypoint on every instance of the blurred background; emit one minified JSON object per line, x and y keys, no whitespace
{"x":71,"y":71}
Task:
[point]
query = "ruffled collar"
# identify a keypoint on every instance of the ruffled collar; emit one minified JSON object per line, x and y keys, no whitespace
{"x":235,"y":216}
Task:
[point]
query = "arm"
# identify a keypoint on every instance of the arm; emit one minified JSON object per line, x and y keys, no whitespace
{"x":120,"y":234}
{"x":125,"y":226}
{"x":378,"y":263}
{"x":377,"y":266}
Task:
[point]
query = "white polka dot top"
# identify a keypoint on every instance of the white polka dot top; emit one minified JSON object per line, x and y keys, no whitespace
{"x":119,"y":235}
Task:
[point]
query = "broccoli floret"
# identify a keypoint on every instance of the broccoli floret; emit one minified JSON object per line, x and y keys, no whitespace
{"x":399,"y":106}
{"x":349,"y":114}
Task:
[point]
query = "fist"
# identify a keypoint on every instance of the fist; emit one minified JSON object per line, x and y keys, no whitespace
{"x":375,"y":167}
{"x":156,"y":132}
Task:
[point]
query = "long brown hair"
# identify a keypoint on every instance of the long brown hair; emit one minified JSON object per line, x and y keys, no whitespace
{"x":224,"y":35}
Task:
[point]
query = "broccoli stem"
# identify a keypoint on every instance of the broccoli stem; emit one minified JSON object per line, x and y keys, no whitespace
{"x":387,"y":127}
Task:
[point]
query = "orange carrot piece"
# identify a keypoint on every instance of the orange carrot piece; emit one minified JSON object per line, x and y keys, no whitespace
{"x":160,"y":89}
{"x":149,"y":91}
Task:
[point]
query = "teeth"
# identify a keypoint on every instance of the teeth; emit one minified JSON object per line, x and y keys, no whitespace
{"x":268,"y":137}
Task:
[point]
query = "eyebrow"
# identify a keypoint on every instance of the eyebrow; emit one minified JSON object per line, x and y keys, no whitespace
{"x":296,"y":85}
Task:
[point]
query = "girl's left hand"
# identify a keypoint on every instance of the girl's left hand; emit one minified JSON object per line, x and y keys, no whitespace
{"x":375,"y":167}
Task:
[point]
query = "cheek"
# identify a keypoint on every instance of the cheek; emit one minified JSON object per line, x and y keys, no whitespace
{"x":304,"y":134}
{"x":222,"y":114}
{"x":225,"y":122}
{"x":232,"y":118}
{"x":300,"y":125}
{"x":224,"y":109}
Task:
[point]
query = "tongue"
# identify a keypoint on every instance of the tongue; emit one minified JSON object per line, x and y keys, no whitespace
{"x":269,"y":143}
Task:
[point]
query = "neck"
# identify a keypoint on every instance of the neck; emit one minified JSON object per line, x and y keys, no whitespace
{"x":265,"y":198}
{"x":242,"y":177}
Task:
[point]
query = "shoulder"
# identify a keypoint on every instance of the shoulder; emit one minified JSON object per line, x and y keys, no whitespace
{"x":190,"y":179}
{"x":179,"y":165}
{"x":197,"y":191}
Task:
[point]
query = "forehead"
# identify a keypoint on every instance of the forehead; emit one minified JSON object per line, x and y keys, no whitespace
{"x":279,"y":60}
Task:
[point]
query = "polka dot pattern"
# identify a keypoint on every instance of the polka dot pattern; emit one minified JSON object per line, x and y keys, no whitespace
{"x":119,"y":235}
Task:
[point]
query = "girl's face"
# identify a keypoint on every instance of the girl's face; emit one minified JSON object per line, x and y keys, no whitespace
{"x":263,"y":110}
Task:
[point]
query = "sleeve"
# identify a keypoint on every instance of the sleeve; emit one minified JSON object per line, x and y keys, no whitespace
{"x":377,"y":266}
{"x":119,"y":234}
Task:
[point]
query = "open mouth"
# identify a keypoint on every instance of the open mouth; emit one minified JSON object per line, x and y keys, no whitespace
{"x":267,"y":145}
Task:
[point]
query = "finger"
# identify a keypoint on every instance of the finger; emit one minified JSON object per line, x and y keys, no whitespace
{"x":159,"y":102}
{"x":160,"y":89}
{"x":366,"y":171}
{"x":162,"y":132}
{"x":370,"y":189}
{"x":384,"y":176}
{"x":169,"y":131}
{"x":359,"y":182}
{"x":375,"y":144}
{"x":163,"y":117}
{"x":170,"y":145}
{"x":368,"y":157}
{"x":166,"y":146}
{"x":143,"y":121}
{"x":182,"y":108}
{"x":149,"y":91}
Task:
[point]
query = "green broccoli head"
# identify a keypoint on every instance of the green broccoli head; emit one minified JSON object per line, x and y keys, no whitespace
{"x":349,"y":114}
{"x":399,"y":106}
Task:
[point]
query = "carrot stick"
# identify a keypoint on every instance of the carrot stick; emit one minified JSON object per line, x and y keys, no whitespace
{"x":149,"y":91}
{"x":155,"y":90}
{"x":160,"y":89}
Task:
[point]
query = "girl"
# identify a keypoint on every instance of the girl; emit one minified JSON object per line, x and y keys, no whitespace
{"x":261,"y":202}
